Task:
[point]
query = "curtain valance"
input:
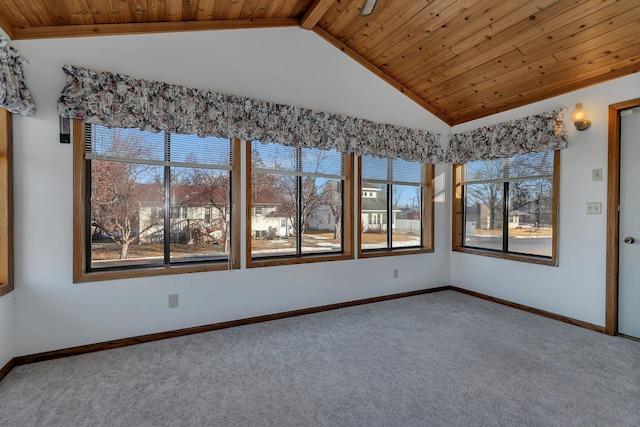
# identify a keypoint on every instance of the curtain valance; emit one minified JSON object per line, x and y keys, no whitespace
{"x":117,"y":100}
{"x":14,"y":95}
{"x":540,"y":132}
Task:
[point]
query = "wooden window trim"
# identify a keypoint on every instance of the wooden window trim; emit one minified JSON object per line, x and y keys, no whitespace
{"x":80,"y":273}
{"x":6,"y":204}
{"x":427,"y":219}
{"x":347,"y":223}
{"x":458,"y":218}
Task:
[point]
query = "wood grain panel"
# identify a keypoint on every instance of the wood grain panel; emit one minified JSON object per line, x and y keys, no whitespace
{"x":234,"y":10}
{"x":503,"y":43}
{"x":501,"y":23}
{"x":445,"y":54}
{"x":248,"y":6}
{"x":172,"y":11}
{"x":421,"y":15}
{"x":388,"y":19}
{"x":79,"y":12}
{"x":205,"y":10}
{"x":6,"y":203}
{"x":260,"y":12}
{"x":19,"y":16}
{"x":313,"y":14}
{"x":349,"y":12}
{"x":564,"y":49}
{"x":119,"y":12}
{"x":149,"y":28}
{"x":100,"y":11}
{"x":419,"y":37}
{"x":274,"y":8}
{"x":542,"y":93}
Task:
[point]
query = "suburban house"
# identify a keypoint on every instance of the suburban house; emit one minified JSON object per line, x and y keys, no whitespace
{"x":269,"y":221}
{"x":433,"y":80}
{"x":374,"y":209}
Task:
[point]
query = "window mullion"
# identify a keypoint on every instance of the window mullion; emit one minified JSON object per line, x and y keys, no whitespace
{"x":389,"y":202}
{"x":298,"y":225}
{"x":167,"y":200}
{"x":88,"y":224}
{"x":389,"y":213}
{"x":505,"y":217}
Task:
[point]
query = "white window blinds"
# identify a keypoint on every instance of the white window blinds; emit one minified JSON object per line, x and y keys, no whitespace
{"x":136,"y":146}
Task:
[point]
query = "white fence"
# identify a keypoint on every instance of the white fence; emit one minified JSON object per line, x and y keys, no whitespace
{"x":411,"y":225}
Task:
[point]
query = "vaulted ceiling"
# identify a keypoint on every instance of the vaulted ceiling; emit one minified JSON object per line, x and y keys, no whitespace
{"x":459,"y":59}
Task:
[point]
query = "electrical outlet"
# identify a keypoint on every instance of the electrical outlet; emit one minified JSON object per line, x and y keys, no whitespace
{"x":594,"y":208}
{"x":173,"y":300}
{"x":596,"y":175}
{"x":395,"y":273}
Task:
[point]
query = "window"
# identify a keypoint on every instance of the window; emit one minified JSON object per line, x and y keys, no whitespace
{"x":508,"y":207}
{"x":6,"y":200}
{"x":389,"y":190}
{"x":129,"y":181}
{"x":300,"y":185}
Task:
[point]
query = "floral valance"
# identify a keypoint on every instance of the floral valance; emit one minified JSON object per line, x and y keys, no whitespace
{"x":117,"y":100}
{"x":540,"y":132}
{"x":14,"y":95}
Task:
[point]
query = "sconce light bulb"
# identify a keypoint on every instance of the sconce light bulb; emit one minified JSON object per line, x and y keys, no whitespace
{"x":579,"y":118}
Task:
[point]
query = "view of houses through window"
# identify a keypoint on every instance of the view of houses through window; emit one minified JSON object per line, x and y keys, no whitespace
{"x":391,"y":204}
{"x":136,"y":177}
{"x":508,"y":204}
{"x":161,"y":199}
{"x":296,"y":200}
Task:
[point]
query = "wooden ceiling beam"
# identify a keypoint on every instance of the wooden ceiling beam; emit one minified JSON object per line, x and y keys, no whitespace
{"x":313,"y":14}
{"x":381,"y":74}
{"x":148,"y":28}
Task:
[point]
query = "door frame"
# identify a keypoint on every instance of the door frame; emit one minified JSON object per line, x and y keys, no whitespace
{"x":613,"y":219}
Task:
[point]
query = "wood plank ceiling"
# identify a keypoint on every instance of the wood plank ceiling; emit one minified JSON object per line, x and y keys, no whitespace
{"x":459,"y":59}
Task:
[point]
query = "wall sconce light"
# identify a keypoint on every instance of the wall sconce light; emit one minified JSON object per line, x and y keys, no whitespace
{"x":367,"y":7}
{"x":579,"y":118}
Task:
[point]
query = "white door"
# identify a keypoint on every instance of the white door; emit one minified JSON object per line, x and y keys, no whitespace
{"x":629,"y":258}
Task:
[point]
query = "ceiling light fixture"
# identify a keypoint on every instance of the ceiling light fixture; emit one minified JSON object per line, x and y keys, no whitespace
{"x":367,"y":7}
{"x":579,"y":118}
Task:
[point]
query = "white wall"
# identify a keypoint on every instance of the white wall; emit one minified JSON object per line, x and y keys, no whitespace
{"x":283,"y":65}
{"x":7,"y":318}
{"x":576,"y":288}
{"x":7,"y":329}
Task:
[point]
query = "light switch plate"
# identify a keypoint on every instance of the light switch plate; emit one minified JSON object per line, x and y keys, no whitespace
{"x":594,"y":208}
{"x":596,"y":175}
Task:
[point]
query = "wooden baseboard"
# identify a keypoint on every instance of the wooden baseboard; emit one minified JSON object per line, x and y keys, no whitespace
{"x":528,"y":309}
{"x":108,"y":345}
{"x":629,"y":337}
{"x":7,"y":368}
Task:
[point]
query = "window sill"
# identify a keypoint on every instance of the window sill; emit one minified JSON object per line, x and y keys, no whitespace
{"x":394,"y":252}
{"x":94,"y":276}
{"x":510,"y":257}
{"x":270,"y":262}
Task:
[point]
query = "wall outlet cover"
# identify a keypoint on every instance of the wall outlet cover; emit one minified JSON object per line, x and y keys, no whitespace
{"x":173,"y":300}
